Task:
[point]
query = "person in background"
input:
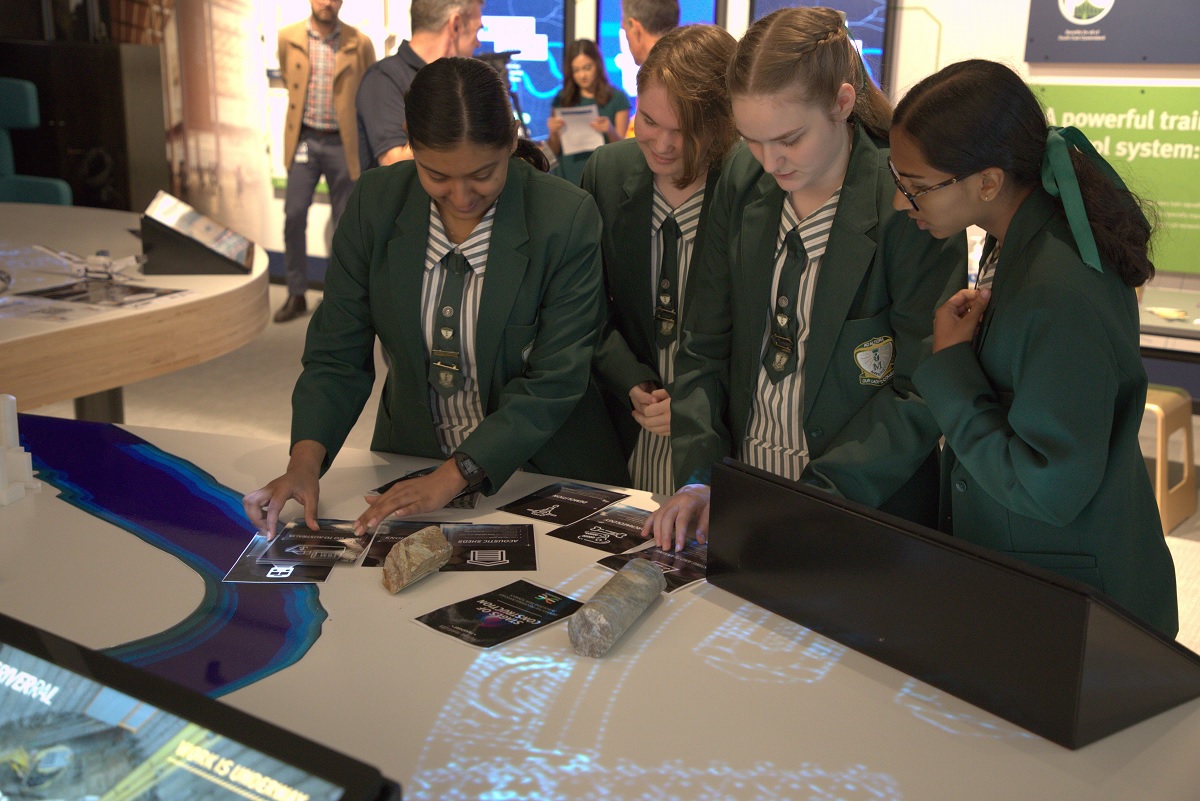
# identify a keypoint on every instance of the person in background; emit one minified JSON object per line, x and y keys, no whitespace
{"x":480,"y":276}
{"x":654,"y":194}
{"x":440,"y":28}
{"x":644,"y":23}
{"x":322,"y":61}
{"x":585,"y":83}
{"x":1036,"y":378}
{"x":811,"y":305}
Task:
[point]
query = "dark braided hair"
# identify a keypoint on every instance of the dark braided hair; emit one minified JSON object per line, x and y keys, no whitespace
{"x":809,"y":52}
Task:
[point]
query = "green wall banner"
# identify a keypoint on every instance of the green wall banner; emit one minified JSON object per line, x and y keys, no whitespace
{"x":1151,"y":136}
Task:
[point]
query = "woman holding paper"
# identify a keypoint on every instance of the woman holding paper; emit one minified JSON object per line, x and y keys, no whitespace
{"x":654,"y":192}
{"x":1036,"y":378}
{"x":587,"y":100}
{"x":480,"y":276}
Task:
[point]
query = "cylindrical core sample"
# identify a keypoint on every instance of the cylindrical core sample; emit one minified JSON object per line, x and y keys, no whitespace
{"x":614,"y":607}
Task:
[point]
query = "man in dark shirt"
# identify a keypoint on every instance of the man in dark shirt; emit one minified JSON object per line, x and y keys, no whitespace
{"x":440,"y":28}
{"x":644,"y":23}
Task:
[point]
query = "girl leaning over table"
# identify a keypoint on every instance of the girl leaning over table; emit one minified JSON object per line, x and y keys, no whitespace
{"x":811,"y":304}
{"x":480,"y":276}
{"x":1036,"y":379}
{"x":654,"y":193}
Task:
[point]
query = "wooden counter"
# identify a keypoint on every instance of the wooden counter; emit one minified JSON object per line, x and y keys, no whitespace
{"x":47,"y":361}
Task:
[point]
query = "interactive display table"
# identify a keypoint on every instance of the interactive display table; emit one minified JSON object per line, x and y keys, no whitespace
{"x":706,"y":697}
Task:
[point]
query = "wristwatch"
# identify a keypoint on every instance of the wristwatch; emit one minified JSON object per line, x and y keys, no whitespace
{"x":470,"y":470}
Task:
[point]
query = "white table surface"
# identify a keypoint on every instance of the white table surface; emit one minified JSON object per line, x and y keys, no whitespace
{"x":707,"y":697}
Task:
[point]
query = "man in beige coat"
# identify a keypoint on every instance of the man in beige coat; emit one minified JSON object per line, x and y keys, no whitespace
{"x":322,"y":61}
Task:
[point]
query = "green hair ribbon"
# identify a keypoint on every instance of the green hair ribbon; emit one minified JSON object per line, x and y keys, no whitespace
{"x":1058,"y":178}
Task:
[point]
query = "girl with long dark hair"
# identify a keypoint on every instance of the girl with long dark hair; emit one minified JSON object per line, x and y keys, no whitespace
{"x":480,"y":276}
{"x":1036,"y":379}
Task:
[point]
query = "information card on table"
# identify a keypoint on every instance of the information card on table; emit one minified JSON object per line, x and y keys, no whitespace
{"x":479,"y":546}
{"x":563,"y":503}
{"x":496,"y":617}
{"x":616,"y":529}
{"x":333,"y":543}
{"x":679,"y":569}
{"x":491,"y":547}
{"x":249,"y":570}
{"x":393,"y":531}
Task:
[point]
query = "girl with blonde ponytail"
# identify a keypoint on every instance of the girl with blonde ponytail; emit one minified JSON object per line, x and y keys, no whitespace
{"x":812,"y":303}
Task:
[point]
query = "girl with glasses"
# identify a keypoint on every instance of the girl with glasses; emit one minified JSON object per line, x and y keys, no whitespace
{"x":1036,"y":379}
{"x":811,"y":304}
{"x":480,"y":277}
{"x":654,"y":193}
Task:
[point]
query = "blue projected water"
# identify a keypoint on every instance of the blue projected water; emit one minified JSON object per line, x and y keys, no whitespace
{"x":534,"y":28}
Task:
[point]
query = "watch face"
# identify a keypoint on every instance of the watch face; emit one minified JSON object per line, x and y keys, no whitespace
{"x":469,"y":469}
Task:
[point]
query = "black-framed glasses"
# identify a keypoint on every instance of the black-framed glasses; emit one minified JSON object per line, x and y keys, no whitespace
{"x":912,"y":196}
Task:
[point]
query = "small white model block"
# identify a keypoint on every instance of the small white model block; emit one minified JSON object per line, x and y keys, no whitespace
{"x":16,"y":465}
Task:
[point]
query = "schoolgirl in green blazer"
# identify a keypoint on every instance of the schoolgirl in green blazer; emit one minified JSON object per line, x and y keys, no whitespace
{"x":1037,"y":379}
{"x":515,"y":394}
{"x":846,"y":417}
{"x":672,"y":165}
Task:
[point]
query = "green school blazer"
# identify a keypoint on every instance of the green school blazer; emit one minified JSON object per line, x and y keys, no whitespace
{"x":1041,"y":416}
{"x":618,"y":177}
{"x":539,"y":319}
{"x":870,"y":436}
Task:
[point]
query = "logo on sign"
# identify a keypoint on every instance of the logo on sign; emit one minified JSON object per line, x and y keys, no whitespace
{"x":1085,"y":12}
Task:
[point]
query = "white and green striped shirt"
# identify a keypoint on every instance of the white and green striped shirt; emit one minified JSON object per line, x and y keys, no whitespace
{"x":457,"y":416}
{"x":650,"y":463}
{"x":774,"y":438}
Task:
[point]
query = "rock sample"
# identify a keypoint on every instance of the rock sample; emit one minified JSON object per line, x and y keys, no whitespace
{"x":415,"y":557}
{"x":614,"y":607}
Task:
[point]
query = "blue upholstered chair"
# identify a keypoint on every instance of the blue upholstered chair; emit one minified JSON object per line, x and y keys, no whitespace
{"x":19,"y":109}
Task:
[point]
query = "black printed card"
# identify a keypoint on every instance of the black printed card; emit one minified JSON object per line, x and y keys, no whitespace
{"x":480,"y":546}
{"x":496,"y":617}
{"x":249,"y":570}
{"x":391,"y":532}
{"x":679,"y":569}
{"x":333,"y":543}
{"x":488,"y":547}
{"x":616,"y":529}
{"x":563,"y":503}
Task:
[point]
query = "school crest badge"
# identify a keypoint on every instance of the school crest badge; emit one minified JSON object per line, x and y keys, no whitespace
{"x":875,"y":359}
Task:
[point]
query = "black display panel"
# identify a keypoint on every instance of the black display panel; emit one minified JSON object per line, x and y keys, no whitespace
{"x":77,"y":724}
{"x":1052,"y":655}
